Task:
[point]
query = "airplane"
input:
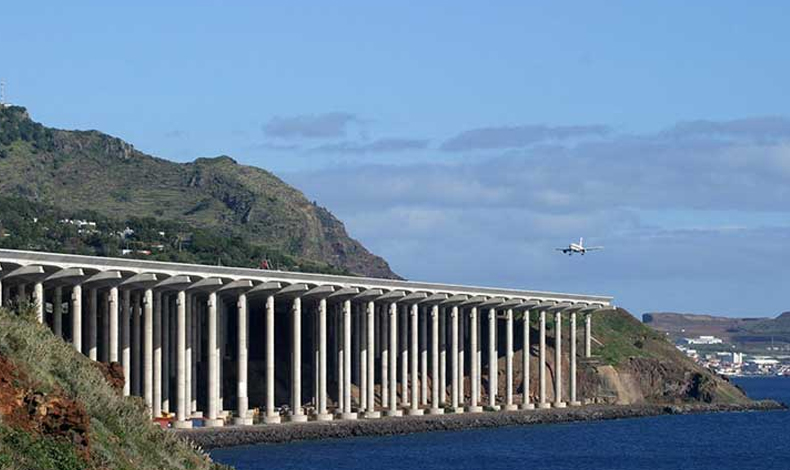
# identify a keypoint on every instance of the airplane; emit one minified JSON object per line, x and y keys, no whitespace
{"x":578,"y":248}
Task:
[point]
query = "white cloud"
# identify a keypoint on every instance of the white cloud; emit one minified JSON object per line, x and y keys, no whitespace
{"x":496,"y":220}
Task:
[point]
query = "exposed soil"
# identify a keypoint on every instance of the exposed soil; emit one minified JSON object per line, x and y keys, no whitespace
{"x":23,"y":406}
{"x":113,"y":373}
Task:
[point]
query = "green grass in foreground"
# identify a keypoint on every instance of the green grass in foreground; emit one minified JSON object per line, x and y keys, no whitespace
{"x":121,"y":437}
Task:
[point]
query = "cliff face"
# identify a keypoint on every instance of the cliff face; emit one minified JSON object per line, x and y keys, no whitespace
{"x":91,"y":171}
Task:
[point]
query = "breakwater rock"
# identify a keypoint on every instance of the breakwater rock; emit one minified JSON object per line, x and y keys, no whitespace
{"x":210,"y":438}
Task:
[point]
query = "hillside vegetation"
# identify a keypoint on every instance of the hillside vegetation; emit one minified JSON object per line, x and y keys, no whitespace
{"x":57,"y":410}
{"x":88,"y":174}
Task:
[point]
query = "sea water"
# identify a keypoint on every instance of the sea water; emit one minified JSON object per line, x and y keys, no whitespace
{"x":729,"y":441}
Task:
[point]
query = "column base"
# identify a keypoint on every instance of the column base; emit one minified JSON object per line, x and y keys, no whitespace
{"x":414,"y":412}
{"x":436,"y":411}
{"x":510,"y":407}
{"x":371,"y":415}
{"x":393,"y":413}
{"x":300,"y":418}
{"x":559,"y":404}
{"x":494,"y":407}
{"x":324,"y":417}
{"x":458,"y":410}
{"x":225,"y":414}
{"x":527,"y":406}
{"x":271,"y":419}
{"x":348,"y":416}
{"x":544,"y":406}
{"x":474,"y":409}
{"x":214,"y":423}
{"x":196,"y":414}
{"x":182,"y":424}
{"x":575,"y":403}
{"x":242,"y":421}
{"x":588,"y":401}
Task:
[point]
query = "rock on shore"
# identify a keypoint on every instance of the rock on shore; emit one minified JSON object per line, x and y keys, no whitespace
{"x":210,"y":438}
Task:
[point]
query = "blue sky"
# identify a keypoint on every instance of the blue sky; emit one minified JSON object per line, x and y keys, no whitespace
{"x":463,"y":141}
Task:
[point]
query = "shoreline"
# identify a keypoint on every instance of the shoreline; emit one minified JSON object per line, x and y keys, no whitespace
{"x":232,"y":436}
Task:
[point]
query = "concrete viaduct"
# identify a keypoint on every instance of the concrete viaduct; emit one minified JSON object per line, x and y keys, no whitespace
{"x":184,"y":333}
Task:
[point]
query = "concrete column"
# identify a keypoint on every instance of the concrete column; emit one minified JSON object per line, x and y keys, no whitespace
{"x":558,"y":403}
{"x":322,"y":378}
{"x":38,"y":301}
{"x":105,"y":328}
{"x":509,"y":405}
{"x":3,"y":294}
{"x":414,"y":314}
{"x":423,"y":357}
{"x":76,"y":317}
{"x":194,"y":327}
{"x":454,"y":359}
{"x":148,"y":349}
{"x":542,"y":371}
{"x":436,"y":407}
{"x":363,"y":358}
{"x":461,"y":350}
{"x":492,"y":359}
{"x":347,"y":414}
{"x":212,"y":393}
{"x":136,"y":345}
{"x":297,"y":413}
{"x":189,"y":389}
{"x":393,"y":361}
{"x":340,"y":359}
{"x":370,"y":409}
{"x":573,"y":400}
{"x":93,"y":304}
{"x":385,"y":376}
{"x":181,"y":366}
{"x":242,"y":401}
{"x":525,"y":359}
{"x":112,"y":306}
{"x":157,"y":366}
{"x":403,"y":340}
{"x":588,"y":335}
{"x":57,"y":312}
{"x":21,"y":293}
{"x":271,"y":416}
{"x":166,"y":357}
{"x":442,"y":355}
{"x":474,"y":366}
{"x":126,"y":353}
{"x":356,"y":343}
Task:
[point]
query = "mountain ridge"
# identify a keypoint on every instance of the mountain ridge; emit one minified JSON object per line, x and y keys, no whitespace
{"x":87,"y":170}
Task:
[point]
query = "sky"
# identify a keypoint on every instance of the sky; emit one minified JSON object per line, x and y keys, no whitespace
{"x":465,"y":141}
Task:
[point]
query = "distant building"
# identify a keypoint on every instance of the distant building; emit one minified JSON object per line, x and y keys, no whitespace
{"x":704,"y":340}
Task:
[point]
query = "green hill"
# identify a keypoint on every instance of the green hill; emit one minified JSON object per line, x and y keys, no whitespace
{"x":58,"y":411}
{"x":84,"y":174}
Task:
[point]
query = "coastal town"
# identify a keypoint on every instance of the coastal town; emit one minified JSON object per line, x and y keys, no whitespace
{"x":722,"y":358}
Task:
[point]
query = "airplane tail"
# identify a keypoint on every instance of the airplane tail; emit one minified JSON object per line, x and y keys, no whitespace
{"x":581,"y":241}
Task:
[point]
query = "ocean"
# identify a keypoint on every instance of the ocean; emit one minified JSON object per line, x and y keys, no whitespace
{"x":721,"y":441}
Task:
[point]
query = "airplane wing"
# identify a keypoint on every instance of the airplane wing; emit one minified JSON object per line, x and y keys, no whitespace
{"x":561,"y":249}
{"x":593,"y":248}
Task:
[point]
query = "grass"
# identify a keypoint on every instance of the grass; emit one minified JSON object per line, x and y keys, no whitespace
{"x":624,"y":336}
{"x":121,"y":435}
